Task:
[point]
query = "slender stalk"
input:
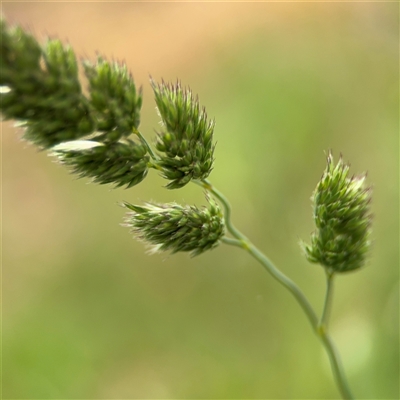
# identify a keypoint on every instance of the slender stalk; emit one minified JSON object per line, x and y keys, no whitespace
{"x":232,"y":242}
{"x":336,"y":365}
{"x":318,"y":327}
{"x":328,"y":299}
{"x":286,"y":282}
{"x":227,"y":208}
{"x":144,"y":141}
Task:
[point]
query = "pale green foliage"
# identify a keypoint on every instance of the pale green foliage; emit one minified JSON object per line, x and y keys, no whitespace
{"x":343,"y":220}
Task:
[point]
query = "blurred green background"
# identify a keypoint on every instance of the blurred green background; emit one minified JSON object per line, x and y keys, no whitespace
{"x":88,"y":314}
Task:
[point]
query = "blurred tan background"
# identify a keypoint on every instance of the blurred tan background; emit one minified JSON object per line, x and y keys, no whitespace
{"x":88,"y":314}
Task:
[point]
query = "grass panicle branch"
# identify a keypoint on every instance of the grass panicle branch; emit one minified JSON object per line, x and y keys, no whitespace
{"x":97,"y":137}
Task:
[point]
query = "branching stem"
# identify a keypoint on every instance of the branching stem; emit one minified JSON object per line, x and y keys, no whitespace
{"x":144,"y":142}
{"x":318,"y":327}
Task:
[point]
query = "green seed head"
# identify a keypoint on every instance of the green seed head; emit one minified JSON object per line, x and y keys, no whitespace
{"x":342,"y":218}
{"x":171,"y":227}
{"x":115,"y":102}
{"x":186,"y":138}
{"x":43,"y":92}
{"x":121,"y":163}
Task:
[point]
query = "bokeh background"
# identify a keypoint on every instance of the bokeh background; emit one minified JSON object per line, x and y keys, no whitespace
{"x":88,"y":314}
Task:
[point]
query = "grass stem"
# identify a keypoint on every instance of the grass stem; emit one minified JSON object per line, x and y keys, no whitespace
{"x":319,"y":327}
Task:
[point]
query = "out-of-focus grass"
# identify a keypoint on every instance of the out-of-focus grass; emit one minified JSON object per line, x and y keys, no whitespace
{"x":87,"y":314}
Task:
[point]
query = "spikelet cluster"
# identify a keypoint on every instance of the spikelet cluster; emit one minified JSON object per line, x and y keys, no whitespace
{"x":41,"y":90}
{"x":119,"y":163}
{"x":342,"y":218}
{"x":172,"y":227}
{"x":115,"y":102}
{"x":39,"y":87}
{"x":186,"y":138}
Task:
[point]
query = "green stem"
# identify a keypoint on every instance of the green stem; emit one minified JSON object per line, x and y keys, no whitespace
{"x":232,"y":242}
{"x":227,"y":208}
{"x":144,"y":141}
{"x":336,"y":364}
{"x":328,"y":299}
{"x":286,"y":282}
{"x":320,"y":330}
